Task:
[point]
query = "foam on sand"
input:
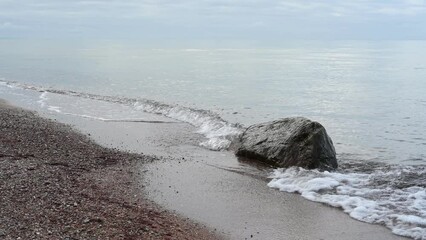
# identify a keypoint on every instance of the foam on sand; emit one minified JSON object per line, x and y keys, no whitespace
{"x":393,"y":196}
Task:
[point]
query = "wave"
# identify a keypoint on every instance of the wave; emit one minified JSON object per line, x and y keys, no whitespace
{"x":219,"y":133}
{"x":390,"y":195}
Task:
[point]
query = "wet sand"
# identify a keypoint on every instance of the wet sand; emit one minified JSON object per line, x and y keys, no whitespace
{"x":58,"y":184}
{"x":221,"y":191}
{"x":217,"y":189}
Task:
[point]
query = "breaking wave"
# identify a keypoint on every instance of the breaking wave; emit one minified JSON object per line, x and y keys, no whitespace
{"x":390,"y":195}
{"x":219,"y":133}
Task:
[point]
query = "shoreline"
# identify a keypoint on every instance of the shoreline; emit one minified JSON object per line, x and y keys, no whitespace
{"x":57,"y":183}
{"x":215,"y":189}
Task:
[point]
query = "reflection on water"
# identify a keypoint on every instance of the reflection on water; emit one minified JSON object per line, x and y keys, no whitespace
{"x":368,"y":95}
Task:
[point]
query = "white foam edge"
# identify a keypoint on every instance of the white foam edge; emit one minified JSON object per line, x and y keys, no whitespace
{"x":219,"y":133}
{"x":42,"y":99}
{"x":401,"y":210}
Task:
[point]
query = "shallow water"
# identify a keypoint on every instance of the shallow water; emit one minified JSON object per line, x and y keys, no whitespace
{"x":215,"y":188}
{"x":368,"y":95}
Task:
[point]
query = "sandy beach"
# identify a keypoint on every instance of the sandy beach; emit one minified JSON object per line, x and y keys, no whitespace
{"x":254,"y":120}
{"x":62,"y":184}
{"x":58,"y":184}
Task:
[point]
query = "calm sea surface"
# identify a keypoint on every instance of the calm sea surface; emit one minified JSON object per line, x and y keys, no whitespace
{"x":370,"y":96}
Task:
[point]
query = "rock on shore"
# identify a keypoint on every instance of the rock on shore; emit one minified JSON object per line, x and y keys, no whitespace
{"x":287,"y":142}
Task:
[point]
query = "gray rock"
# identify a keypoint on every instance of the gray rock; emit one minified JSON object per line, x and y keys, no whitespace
{"x":287,"y":142}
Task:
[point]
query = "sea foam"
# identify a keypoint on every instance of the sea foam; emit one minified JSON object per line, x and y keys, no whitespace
{"x":393,"y":196}
{"x":219,"y":133}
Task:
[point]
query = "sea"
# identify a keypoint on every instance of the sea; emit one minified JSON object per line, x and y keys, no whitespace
{"x":369,"y":95}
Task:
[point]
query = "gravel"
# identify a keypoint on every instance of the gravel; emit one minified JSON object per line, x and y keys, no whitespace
{"x":56,"y":183}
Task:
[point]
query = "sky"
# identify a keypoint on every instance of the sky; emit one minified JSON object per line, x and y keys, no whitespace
{"x":185,"y":21}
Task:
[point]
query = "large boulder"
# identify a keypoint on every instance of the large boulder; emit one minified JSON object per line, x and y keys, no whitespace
{"x":287,"y":142}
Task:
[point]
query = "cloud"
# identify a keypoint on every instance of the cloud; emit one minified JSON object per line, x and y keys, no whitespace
{"x":9,"y":25}
{"x":409,"y":11}
{"x":240,"y":19}
{"x":164,"y":8}
{"x":5,"y":25}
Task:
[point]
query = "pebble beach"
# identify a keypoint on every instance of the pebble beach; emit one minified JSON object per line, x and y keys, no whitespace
{"x":58,"y":184}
